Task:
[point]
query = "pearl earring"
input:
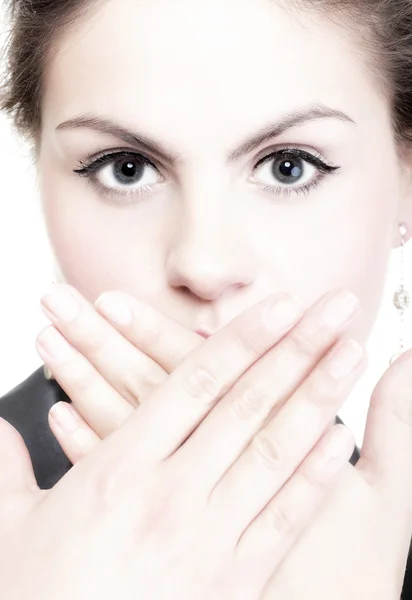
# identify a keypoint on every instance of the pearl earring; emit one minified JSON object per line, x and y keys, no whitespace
{"x":401,"y":298}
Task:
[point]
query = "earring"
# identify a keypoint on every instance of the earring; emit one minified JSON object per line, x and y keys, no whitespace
{"x":401,"y":298}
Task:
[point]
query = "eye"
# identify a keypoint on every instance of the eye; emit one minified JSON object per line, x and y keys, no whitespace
{"x":121,"y":173}
{"x":291,"y":170}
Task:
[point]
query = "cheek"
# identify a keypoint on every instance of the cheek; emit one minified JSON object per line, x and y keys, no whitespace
{"x":342,"y":241}
{"x":100,"y":246}
{"x":362,"y":248}
{"x":309,"y":247}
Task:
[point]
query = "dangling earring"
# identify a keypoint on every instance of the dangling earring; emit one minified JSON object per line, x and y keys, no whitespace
{"x":401,"y":298}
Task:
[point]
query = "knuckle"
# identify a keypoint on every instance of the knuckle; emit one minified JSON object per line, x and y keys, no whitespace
{"x":302,"y":343}
{"x":130,"y":392}
{"x":320,"y":390}
{"x":310,"y":477}
{"x":251,"y":340}
{"x":267,"y":451}
{"x":203,"y":385}
{"x":150,"y":375}
{"x":250,"y":402}
{"x":93,"y":339}
{"x":112,"y":484}
{"x":106,"y":485}
{"x":155,"y":378}
{"x":280,"y":518}
{"x":140,"y":381}
{"x":81,"y":376}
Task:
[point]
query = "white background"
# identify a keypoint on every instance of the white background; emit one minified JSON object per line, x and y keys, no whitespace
{"x":26,"y":269}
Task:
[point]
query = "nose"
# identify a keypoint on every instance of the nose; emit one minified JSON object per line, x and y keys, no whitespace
{"x":209,"y":259}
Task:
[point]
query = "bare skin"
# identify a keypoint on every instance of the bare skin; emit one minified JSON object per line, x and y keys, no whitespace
{"x":146,"y":513}
{"x":336,"y":553}
{"x":200,"y":239}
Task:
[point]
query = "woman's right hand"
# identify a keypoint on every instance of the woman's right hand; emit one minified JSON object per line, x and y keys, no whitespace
{"x":189,"y":498}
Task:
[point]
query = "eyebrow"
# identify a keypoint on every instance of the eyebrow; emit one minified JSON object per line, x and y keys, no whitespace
{"x":269,"y":132}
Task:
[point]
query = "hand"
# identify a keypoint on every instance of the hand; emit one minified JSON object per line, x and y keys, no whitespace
{"x":146,"y":513}
{"x":133,"y":359}
{"x":345,"y":554}
{"x":114,"y":368}
{"x":357,"y":545}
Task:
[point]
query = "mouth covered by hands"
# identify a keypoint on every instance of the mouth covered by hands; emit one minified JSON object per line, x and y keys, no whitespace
{"x":115,"y":353}
{"x":191,"y":497}
{"x":112,"y":365}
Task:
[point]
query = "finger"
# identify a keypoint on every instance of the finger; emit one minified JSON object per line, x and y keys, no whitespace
{"x":128,"y":370}
{"x":163,"y":339}
{"x":74,"y":435}
{"x":261,"y":392}
{"x":275,"y":451}
{"x":172,"y":412}
{"x":388,"y":433}
{"x":102,"y":407}
{"x":274,"y":531}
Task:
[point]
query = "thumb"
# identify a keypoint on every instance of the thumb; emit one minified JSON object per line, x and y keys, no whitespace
{"x":16,"y":468}
{"x":386,"y":454}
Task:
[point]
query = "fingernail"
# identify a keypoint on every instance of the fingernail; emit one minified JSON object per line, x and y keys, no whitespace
{"x":339,"y":309}
{"x":54,"y":344}
{"x":61,"y":304}
{"x":64,"y":416}
{"x":114,"y":308}
{"x":284,"y":312}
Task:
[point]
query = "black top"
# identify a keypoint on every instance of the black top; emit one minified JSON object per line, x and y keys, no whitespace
{"x":27,"y":407}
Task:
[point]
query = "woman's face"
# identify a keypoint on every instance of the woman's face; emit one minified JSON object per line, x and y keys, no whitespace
{"x":190,"y":218}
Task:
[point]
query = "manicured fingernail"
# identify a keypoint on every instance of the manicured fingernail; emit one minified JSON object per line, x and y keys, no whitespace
{"x":285,"y":311}
{"x":54,"y":344}
{"x":114,"y":308}
{"x":61,"y":304}
{"x":64,"y":416}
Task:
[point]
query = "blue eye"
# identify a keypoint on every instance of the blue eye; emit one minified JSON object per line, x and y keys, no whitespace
{"x":291,"y":170}
{"x":125,"y":174}
{"x":121,"y":173}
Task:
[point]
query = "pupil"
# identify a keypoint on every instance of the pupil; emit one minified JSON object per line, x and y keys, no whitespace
{"x":288,"y":170}
{"x":128,"y":171}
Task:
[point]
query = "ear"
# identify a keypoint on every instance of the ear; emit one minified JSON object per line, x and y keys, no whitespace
{"x":404,"y":212}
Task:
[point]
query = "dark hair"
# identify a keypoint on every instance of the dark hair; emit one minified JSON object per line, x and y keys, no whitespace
{"x":383,"y":29}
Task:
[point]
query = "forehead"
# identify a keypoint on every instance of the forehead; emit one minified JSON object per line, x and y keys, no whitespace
{"x":168,"y":63}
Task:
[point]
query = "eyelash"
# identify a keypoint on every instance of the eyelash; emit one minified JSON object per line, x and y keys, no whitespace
{"x":88,"y":170}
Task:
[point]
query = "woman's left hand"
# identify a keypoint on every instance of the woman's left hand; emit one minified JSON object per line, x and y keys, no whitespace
{"x":357,"y":546}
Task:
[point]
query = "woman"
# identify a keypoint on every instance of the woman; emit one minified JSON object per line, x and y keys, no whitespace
{"x":200,"y":160}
